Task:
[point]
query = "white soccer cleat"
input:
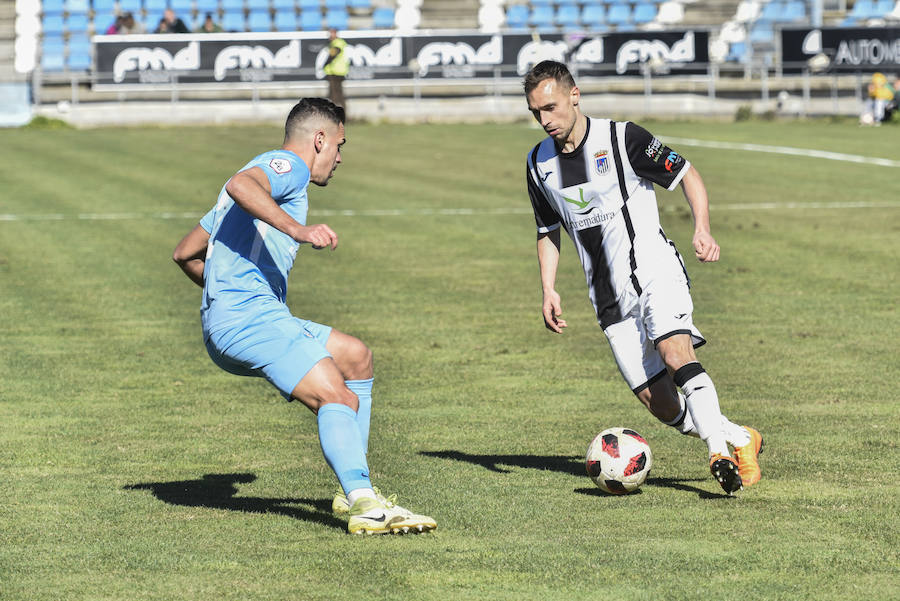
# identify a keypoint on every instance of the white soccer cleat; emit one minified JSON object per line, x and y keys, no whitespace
{"x":373,"y":516}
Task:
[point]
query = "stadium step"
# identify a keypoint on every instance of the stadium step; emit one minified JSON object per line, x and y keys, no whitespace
{"x":450,"y":14}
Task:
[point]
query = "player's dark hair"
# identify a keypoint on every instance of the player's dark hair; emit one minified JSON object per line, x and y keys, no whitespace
{"x":548,"y":70}
{"x":312,"y":107}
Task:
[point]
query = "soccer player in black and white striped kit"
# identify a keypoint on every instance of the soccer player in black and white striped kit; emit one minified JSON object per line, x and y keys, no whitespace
{"x":594,"y":179}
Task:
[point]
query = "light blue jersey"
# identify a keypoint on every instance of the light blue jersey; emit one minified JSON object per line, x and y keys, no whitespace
{"x":248,"y":261}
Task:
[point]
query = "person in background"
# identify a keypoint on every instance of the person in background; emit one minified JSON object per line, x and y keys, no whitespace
{"x":170,"y":23}
{"x":336,"y":68}
{"x":881,"y":97}
{"x":130,"y":26}
{"x":116,"y":26}
{"x":209,"y":25}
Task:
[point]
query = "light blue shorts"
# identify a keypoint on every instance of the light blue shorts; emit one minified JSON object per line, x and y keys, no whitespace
{"x":278,"y":347}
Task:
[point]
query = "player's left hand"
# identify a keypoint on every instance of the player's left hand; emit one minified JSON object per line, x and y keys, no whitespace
{"x":706,"y":249}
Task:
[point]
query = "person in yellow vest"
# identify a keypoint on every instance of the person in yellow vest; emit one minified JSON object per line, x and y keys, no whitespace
{"x":881,"y":94}
{"x":336,"y":68}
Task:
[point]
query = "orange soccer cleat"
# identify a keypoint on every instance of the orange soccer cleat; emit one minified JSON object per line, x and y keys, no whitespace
{"x":747,"y":458}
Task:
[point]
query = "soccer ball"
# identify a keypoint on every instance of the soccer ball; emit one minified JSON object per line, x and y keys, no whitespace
{"x":618,"y":460}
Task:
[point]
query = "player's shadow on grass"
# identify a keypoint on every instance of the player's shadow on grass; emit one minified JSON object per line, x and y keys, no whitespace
{"x":566,"y":465}
{"x":217,"y":491}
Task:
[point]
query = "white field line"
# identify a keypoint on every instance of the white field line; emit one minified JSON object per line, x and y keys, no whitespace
{"x":761,"y":206}
{"x":800,"y":152}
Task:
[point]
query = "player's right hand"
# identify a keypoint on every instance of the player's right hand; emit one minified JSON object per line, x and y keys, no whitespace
{"x":553,"y":312}
{"x":319,"y":235}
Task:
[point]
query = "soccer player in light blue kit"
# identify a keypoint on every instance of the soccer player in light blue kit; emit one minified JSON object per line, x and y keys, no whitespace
{"x":241,"y":253}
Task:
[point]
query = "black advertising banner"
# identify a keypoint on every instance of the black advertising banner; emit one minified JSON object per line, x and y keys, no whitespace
{"x":245,"y":57}
{"x":848,"y":49}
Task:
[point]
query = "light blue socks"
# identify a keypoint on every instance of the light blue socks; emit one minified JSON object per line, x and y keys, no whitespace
{"x":363,"y":391}
{"x":339,"y":437}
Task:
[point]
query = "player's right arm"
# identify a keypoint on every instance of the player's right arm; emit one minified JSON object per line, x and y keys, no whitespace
{"x":548,"y":259}
{"x":250,"y":189}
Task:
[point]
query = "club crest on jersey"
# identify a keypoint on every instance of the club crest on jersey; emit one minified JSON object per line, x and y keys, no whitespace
{"x":280,"y":166}
{"x":601,"y":162}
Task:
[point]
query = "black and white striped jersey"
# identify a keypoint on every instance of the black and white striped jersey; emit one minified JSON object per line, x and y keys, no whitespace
{"x":602,"y":194}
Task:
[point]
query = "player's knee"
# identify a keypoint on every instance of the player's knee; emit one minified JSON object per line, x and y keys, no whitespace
{"x":359,"y":361}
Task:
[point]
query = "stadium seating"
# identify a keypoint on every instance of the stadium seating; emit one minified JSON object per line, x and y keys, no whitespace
{"x":644,"y":12}
{"x":79,"y":55}
{"x":104,"y":6}
{"x":52,"y":24}
{"x":284,"y":5}
{"x":383,"y":17}
{"x":619,"y":14}
{"x":305,"y":5}
{"x":541,"y":16}
{"x":593,"y":16}
{"x":53,"y":53}
{"x":182,"y":8}
{"x":517,"y":16}
{"x":155,"y":6}
{"x":567,"y":16}
{"x":77,"y":6}
{"x":53,"y":7}
{"x":311,"y":20}
{"x":286,"y":20}
{"x":233,"y":21}
{"x":76,"y":23}
{"x":337,"y":18}
{"x":130,"y":6}
{"x":207,"y":6}
{"x":259,"y":21}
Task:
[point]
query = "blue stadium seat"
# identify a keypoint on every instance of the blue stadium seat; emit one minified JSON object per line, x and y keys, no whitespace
{"x":53,"y":7}
{"x":541,"y":16}
{"x":284,"y":5}
{"x":79,"y":57}
{"x":155,"y":6}
{"x":794,"y":11}
{"x":286,"y":20}
{"x":535,"y":3}
{"x":737,"y":52}
{"x":567,"y":2}
{"x":53,"y":54}
{"x":593,"y":16}
{"x":77,"y":7}
{"x":383,"y":18}
{"x":52,"y":24}
{"x":771,"y":12}
{"x":151,"y":21}
{"x":232,"y":6}
{"x":359,"y":5}
{"x":644,"y":12}
{"x":619,"y":14}
{"x":333,"y":4}
{"x":233,"y":21}
{"x":257,"y":5}
{"x":517,"y":16}
{"x":883,"y":7}
{"x":337,"y":18}
{"x":310,"y":5}
{"x":311,"y":20}
{"x":130,"y":6}
{"x":567,"y":15}
{"x":104,"y":6}
{"x":207,"y":6}
{"x":182,"y":8}
{"x":77,"y":23}
{"x":259,"y":21}
{"x":762,"y":33}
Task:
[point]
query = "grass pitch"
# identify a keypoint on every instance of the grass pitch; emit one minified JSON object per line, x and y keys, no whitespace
{"x":132,"y":468}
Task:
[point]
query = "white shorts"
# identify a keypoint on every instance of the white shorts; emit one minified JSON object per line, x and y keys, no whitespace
{"x":664,"y":309}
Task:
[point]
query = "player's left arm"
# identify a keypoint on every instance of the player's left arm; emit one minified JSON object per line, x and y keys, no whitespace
{"x":706,"y":249}
{"x":190,"y":254}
